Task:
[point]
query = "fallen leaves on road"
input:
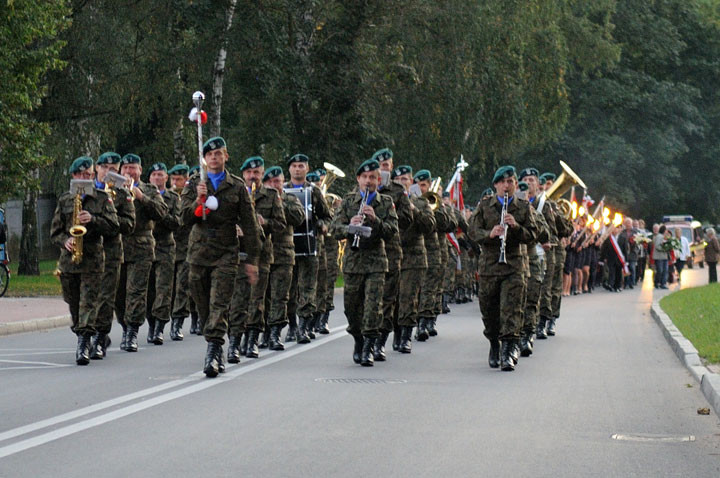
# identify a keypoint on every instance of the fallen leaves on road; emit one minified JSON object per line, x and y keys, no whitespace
{"x":703,"y":411}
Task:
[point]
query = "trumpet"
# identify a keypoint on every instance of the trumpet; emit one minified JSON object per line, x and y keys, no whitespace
{"x":433,"y":194}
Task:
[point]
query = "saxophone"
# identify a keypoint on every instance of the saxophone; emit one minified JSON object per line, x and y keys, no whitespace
{"x":77,"y":231}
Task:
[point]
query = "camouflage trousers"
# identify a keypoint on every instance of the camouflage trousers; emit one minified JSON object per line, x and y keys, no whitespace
{"x":106,"y":297}
{"x":160,"y":286}
{"x":411,"y":281}
{"x":81,"y":294}
{"x":558,"y":281}
{"x":332,"y":274}
{"x":182,"y":303}
{"x":502,"y":299}
{"x":277,"y":299}
{"x":131,"y":297}
{"x":450,"y":279}
{"x":431,"y":292}
{"x":240,"y":302}
{"x":548,"y":284}
{"x":212,"y":290}
{"x":532,"y":298}
{"x":322,"y":284}
{"x":391,"y":293}
{"x":255,"y":317}
{"x":303,"y":288}
{"x":362,"y":299}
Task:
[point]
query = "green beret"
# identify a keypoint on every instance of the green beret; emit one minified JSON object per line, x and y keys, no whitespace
{"x":400,"y":170}
{"x":487,"y":192}
{"x":422,"y":175}
{"x":542,"y":180}
{"x":212,"y":144}
{"x":504,"y":172}
{"x":367,"y":166}
{"x":528,"y":172}
{"x":382,"y":155}
{"x":523,"y":186}
{"x":272,"y":173}
{"x":179,"y":169}
{"x":252,"y":163}
{"x":320,"y":172}
{"x":81,"y":164}
{"x":158,"y":167}
{"x":298,"y":158}
{"x":312,"y":177}
{"x":194,"y":170}
{"x":130,"y":159}
{"x":446,"y":194}
{"x":550,"y":176}
{"x":109,"y":158}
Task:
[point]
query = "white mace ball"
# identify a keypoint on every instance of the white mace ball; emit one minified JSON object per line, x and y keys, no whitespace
{"x":211,"y":203}
{"x":193,"y":115}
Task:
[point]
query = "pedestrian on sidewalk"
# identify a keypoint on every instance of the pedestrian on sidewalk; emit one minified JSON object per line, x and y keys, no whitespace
{"x":660,"y":257}
{"x":712,"y":252}
{"x":681,"y":253}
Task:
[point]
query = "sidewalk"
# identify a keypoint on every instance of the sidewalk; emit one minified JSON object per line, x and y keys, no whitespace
{"x":28,"y":314}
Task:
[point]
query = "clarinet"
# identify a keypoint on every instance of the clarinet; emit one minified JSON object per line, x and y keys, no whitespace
{"x":356,"y":240}
{"x":505,"y":228}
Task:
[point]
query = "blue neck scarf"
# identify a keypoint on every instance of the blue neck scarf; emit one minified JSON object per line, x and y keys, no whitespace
{"x":136,"y":184}
{"x":532,"y":199}
{"x":162,"y":193}
{"x":297,"y":186}
{"x":501,"y":200}
{"x":216,"y":178}
{"x":99,"y":185}
{"x":371,"y":197}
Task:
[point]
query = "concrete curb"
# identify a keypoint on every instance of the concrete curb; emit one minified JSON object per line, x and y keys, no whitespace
{"x":34,"y":325}
{"x":688,"y":355}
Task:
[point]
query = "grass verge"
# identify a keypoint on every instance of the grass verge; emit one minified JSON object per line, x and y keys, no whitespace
{"x":33,"y":286}
{"x":696,"y":312}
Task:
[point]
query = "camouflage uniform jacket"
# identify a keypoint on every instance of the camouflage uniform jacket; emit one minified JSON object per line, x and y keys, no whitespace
{"x":269,"y":205}
{"x":393,"y":247}
{"x":168,"y":224}
{"x":104,"y":222}
{"x":140,"y":244}
{"x":433,"y":244}
{"x":413,"y":237}
{"x":370,"y":257}
{"x":213,"y":239}
{"x":112,"y":243}
{"x":485,"y":218}
{"x":283,"y":245}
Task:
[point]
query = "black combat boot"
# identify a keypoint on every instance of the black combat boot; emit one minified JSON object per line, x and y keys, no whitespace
{"x":432,"y":331}
{"x":201,"y":326}
{"x":221,"y":360}
{"x":311,"y":324}
{"x":302,"y":334}
{"x":445,"y":308}
{"x":97,"y":351}
{"x":263,"y":341}
{"x":323,"y":325}
{"x":515,"y":351}
{"x":422,"y":332}
{"x":458,"y":296}
{"x":506,"y":361}
{"x":123,"y":341}
{"x":366,"y":356}
{"x":244,"y":343}
{"x":541,"y":332}
{"x":151,"y":330}
{"x":494,"y":356}
{"x":176,"y":329}
{"x":405,"y":346}
{"x":159,"y":338}
{"x":526,"y":344}
{"x":194,"y":323}
{"x":212,"y":363}
{"x":132,"y":342}
{"x":551,"y":327}
{"x":396,"y":338}
{"x":357,"y":348}
{"x":82,"y":353}
{"x":252,"y":344}
{"x":379,"y":347}
{"x":291,"y":335}
{"x":274,"y":343}
{"x":233,"y":349}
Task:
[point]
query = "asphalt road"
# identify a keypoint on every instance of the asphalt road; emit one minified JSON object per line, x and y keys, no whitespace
{"x":310,"y":411}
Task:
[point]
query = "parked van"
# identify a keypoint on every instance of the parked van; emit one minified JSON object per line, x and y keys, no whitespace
{"x":693,"y":232}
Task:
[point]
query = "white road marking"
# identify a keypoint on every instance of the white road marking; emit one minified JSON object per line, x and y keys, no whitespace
{"x":23,"y":354}
{"x":50,"y":364}
{"x":232,"y":373}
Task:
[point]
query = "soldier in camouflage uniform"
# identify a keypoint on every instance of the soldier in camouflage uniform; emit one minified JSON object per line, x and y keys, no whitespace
{"x":182,"y":304}
{"x":332,"y":253}
{"x":394,"y":252}
{"x":365,"y":267}
{"x":112,"y":244}
{"x":414,"y":262}
{"x":139,"y":253}
{"x":81,"y":282}
{"x":315,"y":177}
{"x":502,"y":289}
{"x":303,"y":289}
{"x":447,"y":257}
{"x":431,"y":290}
{"x":213,"y":246}
{"x":160,"y":286}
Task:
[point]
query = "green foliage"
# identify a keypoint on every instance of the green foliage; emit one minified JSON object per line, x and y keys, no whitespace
{"x":30,"y":48}
{"x":696,"y":312}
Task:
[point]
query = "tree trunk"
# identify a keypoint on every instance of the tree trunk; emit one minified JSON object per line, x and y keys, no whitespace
{"x":28,"y":264}
{"x":178,"y":150}
{"x":219,"y":71}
